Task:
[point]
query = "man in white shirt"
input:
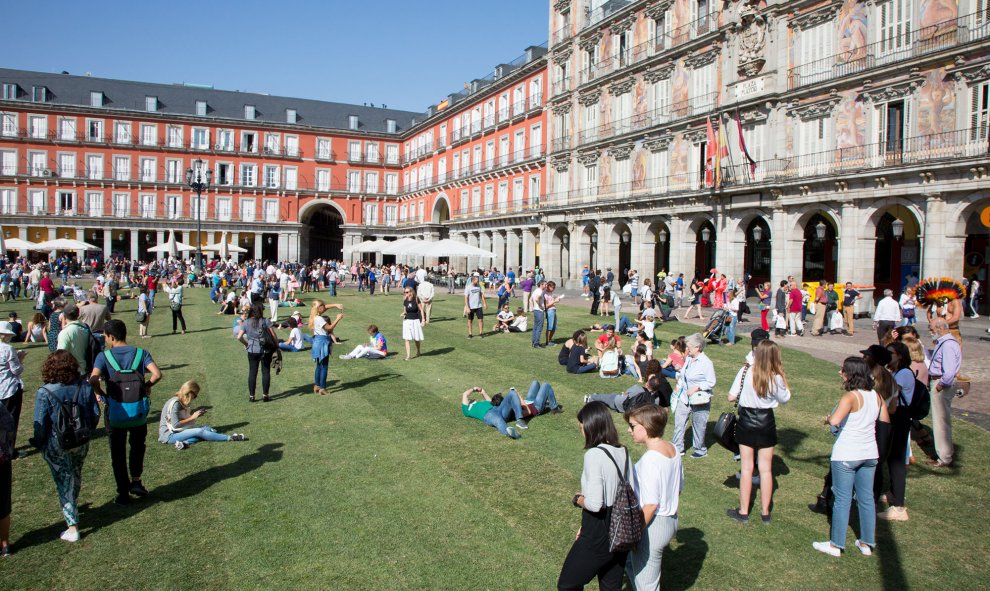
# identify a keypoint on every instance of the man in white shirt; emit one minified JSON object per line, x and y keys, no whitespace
{"x":887,"y":315}
{"x":425,"y":293}
{"x":474,"y":304}
{"x":420,"y":275}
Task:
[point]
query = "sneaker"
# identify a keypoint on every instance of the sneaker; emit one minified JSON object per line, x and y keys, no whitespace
{"x":765,"y":519}
{"x":512,"y":432}
{"x":737,"y":457}
{"x":893,"y":514}
{"x":180,"y":445}
{"x":521,"y":424}
{"x":5,"y":551}
{"x":70,"y":536}
{"x":827,"y":548}
{"x":137,"y":488}
{"x":122,"y":500}
{"x":697,"y":455}
{"x":735,"y":515}
{"x":238,"y":437}
{"x":343,"y":357}
{"x":558,"y":410}
{"x":587,"y":399}
{"x":864,"y":548}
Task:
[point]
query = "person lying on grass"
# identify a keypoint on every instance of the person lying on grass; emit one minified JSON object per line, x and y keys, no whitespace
{"x":498,"y":410}
{"x":176,"y":424}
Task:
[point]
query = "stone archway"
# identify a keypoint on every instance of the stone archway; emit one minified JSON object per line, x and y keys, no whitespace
{"x":322,"y":236}
{"x":821,"y":249}
{"x":441,"y":209}
{"x":897,"y":250}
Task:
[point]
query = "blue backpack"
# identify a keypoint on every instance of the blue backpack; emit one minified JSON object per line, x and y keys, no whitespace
{"x":127,"y":403}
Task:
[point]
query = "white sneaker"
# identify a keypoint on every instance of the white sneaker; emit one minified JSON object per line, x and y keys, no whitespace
{"x":827,"y":548}
{"x":343,"y":357}
{"x":180,"y":445}
{"x":70,"y":536}
{"x":864,"y":548}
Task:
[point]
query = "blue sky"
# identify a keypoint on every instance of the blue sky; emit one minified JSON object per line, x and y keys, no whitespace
{"x":404,"y":54}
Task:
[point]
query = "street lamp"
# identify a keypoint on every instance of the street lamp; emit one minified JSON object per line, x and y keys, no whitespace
{"x":199,"y":181}
{"x":706,"y":234}
{"x":662,"y":236}
{"x":820,"y":230}
{"x":626,"y":236}
{"x":897,"y":226}
{"x":594,"y":238}
{"x":757,"y":233}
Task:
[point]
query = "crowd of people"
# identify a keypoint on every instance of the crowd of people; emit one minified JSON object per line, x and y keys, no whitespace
{"x":887,"y":390}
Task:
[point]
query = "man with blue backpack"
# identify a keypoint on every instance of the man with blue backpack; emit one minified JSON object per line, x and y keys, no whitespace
{"x":127,"y":399}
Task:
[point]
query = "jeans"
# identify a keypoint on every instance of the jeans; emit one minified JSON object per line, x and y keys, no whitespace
{"x":699,"y":423}
{"x":177,"y":318}
{"x":499,"y":415}
{"x":552,"y":320}
{"x":265,"y":361}
{"x":669,"y":372}
{"x":730,"y":331}
{"x":616,"y":311}
{"x":320,"y":375}
{"x":622,"y":325}
{"x":194,"y":434}
{"x":538,"y":316}
{"x":586,"y":368}
{"x":119,"y":458}
{"x":541,"y":396}
{"x":333,"y":289}
{"x":289,"y":348}
{"x":845,"y":477}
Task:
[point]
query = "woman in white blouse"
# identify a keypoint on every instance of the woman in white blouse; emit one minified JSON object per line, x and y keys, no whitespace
{"x":759,"y":388}
{"x":658,"y":479}
{"x":692,"y":399}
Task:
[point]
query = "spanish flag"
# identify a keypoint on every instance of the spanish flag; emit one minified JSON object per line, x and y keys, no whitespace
{"x":443,"y":104}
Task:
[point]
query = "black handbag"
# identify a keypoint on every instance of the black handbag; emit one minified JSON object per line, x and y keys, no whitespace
{"x":725,"y":432}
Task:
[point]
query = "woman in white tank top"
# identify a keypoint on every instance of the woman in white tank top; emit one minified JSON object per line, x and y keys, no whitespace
{"x":854,"y":457}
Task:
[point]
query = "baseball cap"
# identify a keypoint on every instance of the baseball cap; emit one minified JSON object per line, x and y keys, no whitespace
{"x":758,"y":336}
{"x":6,"y":328}
{"x":879,"y":354}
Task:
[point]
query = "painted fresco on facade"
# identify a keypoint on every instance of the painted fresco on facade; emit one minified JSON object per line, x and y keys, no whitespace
{"x":936,"y":109}
{"x":604,"y":173}
{"x":680,"y":85}
{"x":936,"y":12}
{"x":639,"y":167}
{"x":639,"y":99}
{"x":640,"y":36}
{"x":850,"y":125}
{"x":852,"y":29}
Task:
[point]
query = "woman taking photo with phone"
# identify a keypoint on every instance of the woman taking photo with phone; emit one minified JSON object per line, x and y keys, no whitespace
{"x":322,"y":329}
{"x":658,"y":479}
{"x":590,"y":555}
{"x":176,"y":425}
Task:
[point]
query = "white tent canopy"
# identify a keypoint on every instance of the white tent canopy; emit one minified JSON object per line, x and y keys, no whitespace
{"x":368,"y":246}
{"x":172,"y":246}
{"x":17,"y":244}
{"x":64,"y":244}
{"x":401,"y":246}
{"x":223,"y":247}
{"x":449,"y":248}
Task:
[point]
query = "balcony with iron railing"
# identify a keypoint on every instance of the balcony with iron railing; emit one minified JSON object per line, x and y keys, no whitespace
{"x":924,"y":151}
{"x":561,"y":85}
{"x":925,"y":41}
{"x":593,"y":17}
{"x":490,"y":165}
{"x":665,"y":114}
{"x":494,"y":209}
{"x":560,"y":35}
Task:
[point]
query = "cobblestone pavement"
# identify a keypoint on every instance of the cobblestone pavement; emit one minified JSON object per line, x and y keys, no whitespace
{"x":974,"y":408}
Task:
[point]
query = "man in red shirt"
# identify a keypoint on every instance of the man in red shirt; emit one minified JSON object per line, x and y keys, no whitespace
{"x":794,"y":311}
{"x":603,"y":339}
{"x":152,"y":286}
{"x":820,"y":301}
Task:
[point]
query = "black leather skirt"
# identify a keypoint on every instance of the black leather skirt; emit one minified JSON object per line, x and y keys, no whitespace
{"x":756,"y":427}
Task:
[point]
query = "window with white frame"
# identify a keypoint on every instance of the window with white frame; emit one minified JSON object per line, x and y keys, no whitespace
{"x":391,"y":183}
{"x":290,"y":116}
{"x":121,"y":205}
{"x":65,"y":203}
{"x":122,"y":132}
{"x":292,"y":145}
{"x":94,"y":166}
{"x":94,"y":204}
{"x":94,"y":130}
{"x":591,"y":176}
{"x":151,"y":103}
{"x":322,"y":179}
{"x":67,"y":129}
{"x":249,"y":175}
{"x":622,"y":170}
{"x":96,"y":99}
{"x":271,"y":176}
{"x":590,"y":123}
{"x":979,"y":112}
{"x":519,"y":145}
{"x":247,"y":210}
{"x":464,"y":200}
{"x":273,"y":142}
{"x":225,"y":140}
{"x":476,"y":199}
{"x":173,"y":135}
{"x":200,"y":139}
{"x":39,"y":94}
{"x":518,"y":192}
{"x":892,"y":125}
{"x":812,"y":138}
{"x":201,"y":108}
{"x":489,"y":197}
{"x":456,"y":162}
{"x":249,"y":112}
{"x":476,"y":119}
{"x":370,"y":214}
{"x":660,"y":101}
{"x":8,"y":201}
{"x":173,"y":171}
{"x":8,"y":124}
{"x":659,"y":170}
{"x":518,"y":100}
{"x":894,"y":26}
{"x":390,"y":215}
{"x":38,"y":163}
{"x":203,"y":204}
{"x":622,"y":107}
{"x":67,"y":165}
{"x":391,"y":153}
{"x":703,"y":88}
{"x":589,"y":63}
{"x":291,"y":179}
{"x":352,"y":122}
{"x":354,"y":151}
{"x":223,"y":209}
{"x":38,"y":127}
{"x":9,"y":91}
{"x":465,"y":162}
{"x":149,"y":134}
{"x":490,"y":155}
{"x":149,"y":169}
{"x":271,"y":211}
{"x":173,"y":206}
{"x":122,"y":168}
{"x":371,"y":152}
{"x":816,"y":48}
{"x":224,"y":175}
{"x":536,"y":92}
{"x":442,"y":170}
{"x":503,"y":195}
{"x":149,"y":205}
{"x":503,"y":150}
{"x":8,"y":162}
{"x":455,"y":132}
{"x":249,"y":142}
{"x":371,"y":182}
{"x":536,"y":141}
{"x":562,"y":184}
{"x":323,"y":151}
{"x":660,"y":30}
{"x":489,"y":113}
{"x":534,"y":189}
{"x":476,"y":156}
{"x":442,"y":140}
{"x":354,"y":181}
{"x":37,"y":201}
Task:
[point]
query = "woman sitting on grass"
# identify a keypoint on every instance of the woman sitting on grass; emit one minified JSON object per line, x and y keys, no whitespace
{"x":675,"y":359}
{"x":175,"y":427}
{"x":565,"y":350}
{"x":36,"y":329}
{"x":503,"y":319}
{"x":295,"y":342}
{"x":579,"y":361}
{"x":376,"y":349}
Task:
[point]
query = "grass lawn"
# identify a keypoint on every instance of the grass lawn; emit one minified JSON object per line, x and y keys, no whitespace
{"x":384,"y":485}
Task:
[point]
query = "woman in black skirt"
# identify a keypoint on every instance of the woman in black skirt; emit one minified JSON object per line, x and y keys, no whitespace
{"x":759,"y":387}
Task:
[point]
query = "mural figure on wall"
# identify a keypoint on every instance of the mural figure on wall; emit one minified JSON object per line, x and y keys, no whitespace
{"x":639,"y":168}
{"x":679,"y":89}
{"x":937,"y":12}
{"x":852,"y":22}
{"x":681,"y":14}
{"x":639,"y":101}
{"x":604,"y":173}
{"x":640,"y":34}
{"x":680,"y":162}
{"x":850,"y":126}
{"x":936,"y":109}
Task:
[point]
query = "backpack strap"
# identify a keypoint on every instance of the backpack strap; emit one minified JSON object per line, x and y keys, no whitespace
{"x":111,"y":360}
{"x":622,"y":476}
{"x":138,"y":358}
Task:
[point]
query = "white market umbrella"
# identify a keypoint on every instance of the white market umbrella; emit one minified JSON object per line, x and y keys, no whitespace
{"x":368,"y":246}
{"x":172,"y":246}
{"x":449,"y":248}
{"x":64,"y":244}
{"x":18,"y":244}
{"x":400,"y":246}
{"x":223,"y":248}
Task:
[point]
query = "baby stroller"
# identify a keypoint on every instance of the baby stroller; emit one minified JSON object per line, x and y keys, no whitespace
{"x":716,"y":325}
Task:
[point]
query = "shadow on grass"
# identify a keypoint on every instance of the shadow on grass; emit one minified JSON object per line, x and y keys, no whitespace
{"x":889,"y":556}
{"x":433,"y":352}
{"x":108,"y":514}
{"x":173,"y":366}
{"x":297,"y":391}
{"x":342,"y":386}
{"x":682,"y":565}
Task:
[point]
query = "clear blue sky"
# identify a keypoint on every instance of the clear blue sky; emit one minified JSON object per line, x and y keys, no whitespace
{"x":405,"y":54}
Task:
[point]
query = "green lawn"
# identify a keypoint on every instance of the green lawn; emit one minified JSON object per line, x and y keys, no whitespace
{"x":384,"y":485}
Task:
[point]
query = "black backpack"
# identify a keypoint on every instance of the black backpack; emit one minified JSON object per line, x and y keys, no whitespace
{"x":75,"y":424}
{"x":93,"y":348}
{"x":625,"y":520}
{"x":921,"y":401}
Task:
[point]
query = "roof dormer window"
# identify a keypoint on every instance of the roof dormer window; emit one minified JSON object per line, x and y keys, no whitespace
{"x":201,"y":108}
{"x":249,"y":112}
{"x":290,"y":115}
{"x":352,"y":121}
{"x":151,"y":104}
{"x":96,"y":99}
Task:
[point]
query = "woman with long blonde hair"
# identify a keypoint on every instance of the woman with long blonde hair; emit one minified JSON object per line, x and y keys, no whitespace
{"x":175,"y":427}
{"x":322,"y":329}
{"x":759,"y":387}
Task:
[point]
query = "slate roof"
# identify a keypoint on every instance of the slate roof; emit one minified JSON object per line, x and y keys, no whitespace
{"x":66,"y":89}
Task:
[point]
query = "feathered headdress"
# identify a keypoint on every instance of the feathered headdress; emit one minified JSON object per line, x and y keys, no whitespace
{"x":939,"y":291}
